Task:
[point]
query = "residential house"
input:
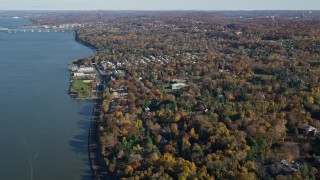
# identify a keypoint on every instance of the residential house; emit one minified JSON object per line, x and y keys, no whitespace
{"x":177,"y":86}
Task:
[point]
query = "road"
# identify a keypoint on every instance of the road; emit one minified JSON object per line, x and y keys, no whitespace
{"x":98,"y":166}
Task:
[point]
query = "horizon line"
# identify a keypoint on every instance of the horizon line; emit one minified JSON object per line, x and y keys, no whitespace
{"x":159,"y":10}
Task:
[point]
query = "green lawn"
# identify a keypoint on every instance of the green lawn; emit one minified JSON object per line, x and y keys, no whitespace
{"x":79,"y":84}
{"x":81,"y":88}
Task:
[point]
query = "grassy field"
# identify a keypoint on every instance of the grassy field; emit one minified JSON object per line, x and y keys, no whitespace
{"x":80,"y":84}
{"x":81,"y":88}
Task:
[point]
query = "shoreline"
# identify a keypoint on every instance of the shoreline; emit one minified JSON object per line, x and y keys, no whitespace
{"x":97,"y":165}
{"x":78,"y":40}
{"x":72,"y":62}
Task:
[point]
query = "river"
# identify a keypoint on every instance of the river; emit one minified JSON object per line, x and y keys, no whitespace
{"x":43,"y":131}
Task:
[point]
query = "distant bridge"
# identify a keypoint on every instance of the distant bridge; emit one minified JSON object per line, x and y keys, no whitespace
{"x":3,"y":29}
{"x":24,"y":30}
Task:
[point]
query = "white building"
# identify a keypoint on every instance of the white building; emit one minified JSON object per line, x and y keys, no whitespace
{"x":86,"y":70}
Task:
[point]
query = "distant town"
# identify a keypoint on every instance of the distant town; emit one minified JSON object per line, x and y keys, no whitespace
{"x":198,"y":94}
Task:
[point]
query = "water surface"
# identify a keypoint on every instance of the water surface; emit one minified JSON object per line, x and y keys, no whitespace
{"x":43,"y":132}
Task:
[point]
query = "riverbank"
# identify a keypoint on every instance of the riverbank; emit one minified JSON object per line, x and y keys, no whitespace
{"x":78,"y":40}
{"x":97,"y":164}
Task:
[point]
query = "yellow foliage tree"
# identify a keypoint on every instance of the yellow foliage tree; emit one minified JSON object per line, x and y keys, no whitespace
{"x":167,"y":161}
{"x":118,"y":114}
{"x":128,"y":170}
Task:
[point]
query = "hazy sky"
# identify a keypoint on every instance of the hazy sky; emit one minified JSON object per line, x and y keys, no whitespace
{"x":160,"y":4}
